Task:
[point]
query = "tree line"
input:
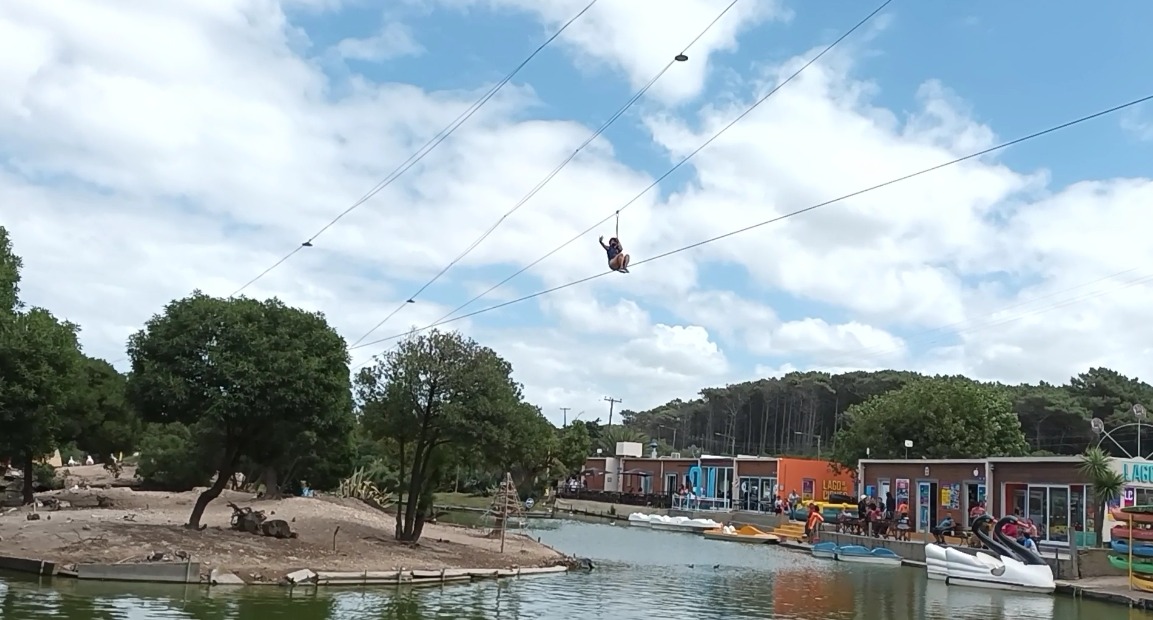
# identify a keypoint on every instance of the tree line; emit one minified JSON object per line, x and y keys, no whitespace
{"x":227,"y":386}
{"x":805,"y":412}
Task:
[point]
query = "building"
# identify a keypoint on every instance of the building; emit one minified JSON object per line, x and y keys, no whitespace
{"x":1049,"y":490}
{"x":721,"y":482}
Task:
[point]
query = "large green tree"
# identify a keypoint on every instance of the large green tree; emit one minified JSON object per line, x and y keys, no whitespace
{"x":38,"y":359}
{"x":96,"y":416}
{"x":240,"y":371}
{"x":10,"y":265}
{"x":944,"y":417}
{"x":435,"y":396}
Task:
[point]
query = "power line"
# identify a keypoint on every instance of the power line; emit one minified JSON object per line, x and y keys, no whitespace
{"x":678,"y":165}
{"x":814,"y":207}
{"x":423,"y":151}
{"x":540,"y":185}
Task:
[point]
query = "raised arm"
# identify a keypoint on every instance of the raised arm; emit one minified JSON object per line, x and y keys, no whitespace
{"x":603,"y":244}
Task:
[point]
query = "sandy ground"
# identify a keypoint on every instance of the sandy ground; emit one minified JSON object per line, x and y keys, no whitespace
{"x":119,"y":525}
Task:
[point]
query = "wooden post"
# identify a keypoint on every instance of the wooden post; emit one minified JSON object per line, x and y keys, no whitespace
{"x":506,"y":483}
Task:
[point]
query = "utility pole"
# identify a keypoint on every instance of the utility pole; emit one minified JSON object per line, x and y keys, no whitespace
{"x":611,"y":401}
{"x":564,"y":412}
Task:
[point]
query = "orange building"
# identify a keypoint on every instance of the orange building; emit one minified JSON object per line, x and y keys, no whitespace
{"x":813,"y":480}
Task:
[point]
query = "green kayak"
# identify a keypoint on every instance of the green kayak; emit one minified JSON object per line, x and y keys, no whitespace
{"x":1140,"y":565}
{"x":1138,"y":510}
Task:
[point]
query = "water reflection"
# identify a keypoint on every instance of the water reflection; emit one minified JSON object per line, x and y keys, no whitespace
{"x":641,"y":575}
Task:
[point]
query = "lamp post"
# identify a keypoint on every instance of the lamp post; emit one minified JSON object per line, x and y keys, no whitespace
{"x":674,"y":430}
{"x":732,"y":437}
{"x":1139,"y":413}
{"x":908,"y":444}
{"x":817,"y":437}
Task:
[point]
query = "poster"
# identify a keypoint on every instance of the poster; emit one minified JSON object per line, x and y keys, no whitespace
{"x":808,"y":487}
{"x":924,"y":495}
{"x":946,"y":496}
{"x":955,"y":496}
{"x":902,"y":494}
{"x":980,"y":492}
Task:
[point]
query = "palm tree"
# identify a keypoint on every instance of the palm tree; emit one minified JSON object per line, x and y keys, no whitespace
{"x":615,"y":434}
{"x":1106,"y":482}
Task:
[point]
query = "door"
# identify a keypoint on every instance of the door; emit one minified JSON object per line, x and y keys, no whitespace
{"x":934,"y":503}
{"x":670,"y":484}
{"x":885,"y":488}
{"x":924,"y":499}
{"x":1057,"y":529}
{"x":1037,"y":509}
{"x":768,"y":493}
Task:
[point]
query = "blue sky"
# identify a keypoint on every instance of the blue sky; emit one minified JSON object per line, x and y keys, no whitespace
{"x":216,"y":154}
{"x":1019,"y":68}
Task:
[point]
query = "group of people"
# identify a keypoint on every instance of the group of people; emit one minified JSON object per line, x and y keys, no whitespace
{"x":1023,"y":530}
{"x":877,"y":517}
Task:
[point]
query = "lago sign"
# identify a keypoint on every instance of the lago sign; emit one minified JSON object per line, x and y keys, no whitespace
{"x":1137,"y":471}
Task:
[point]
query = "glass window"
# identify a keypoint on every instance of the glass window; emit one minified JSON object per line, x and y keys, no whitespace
{"x":1058,"y":524}
{"x":1035,"y":510}
{"x":1077,"y":508}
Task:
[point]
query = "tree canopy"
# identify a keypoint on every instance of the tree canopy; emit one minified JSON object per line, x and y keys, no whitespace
{"x":791,"y":414}
{"x":943,"y":417}
{"x":439,"y":400}
{"x":243,"y":372}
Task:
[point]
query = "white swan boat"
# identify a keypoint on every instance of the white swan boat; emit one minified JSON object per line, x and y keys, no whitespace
{"x":1007,"y":566}
{"x":682,"y":524}
{"x":640,"y":519}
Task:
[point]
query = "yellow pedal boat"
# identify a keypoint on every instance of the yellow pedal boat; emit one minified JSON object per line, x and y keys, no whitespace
{"x":743,"y":534}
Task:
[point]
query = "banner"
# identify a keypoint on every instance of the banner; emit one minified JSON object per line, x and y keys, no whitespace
{"x":902,"y":494}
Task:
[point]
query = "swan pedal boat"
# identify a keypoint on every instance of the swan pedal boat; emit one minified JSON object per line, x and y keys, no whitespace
{"x":744,"y":534}
{"x":682,"y":524}
{"x":1000,"y":568}
{"x":864,"y":555}
{"x":640,"y":519}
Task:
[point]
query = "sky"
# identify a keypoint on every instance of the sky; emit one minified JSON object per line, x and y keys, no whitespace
{"x":151,"y":149}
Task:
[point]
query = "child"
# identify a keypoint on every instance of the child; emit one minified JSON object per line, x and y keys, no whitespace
{"x":903,"y":526}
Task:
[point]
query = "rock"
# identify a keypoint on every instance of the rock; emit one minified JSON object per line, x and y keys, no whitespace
{"x":300,"y":576}
{"x":33,"y":516}
{"x":224,"y":578}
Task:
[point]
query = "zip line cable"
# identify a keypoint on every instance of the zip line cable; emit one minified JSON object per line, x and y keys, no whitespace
{"x":675,"y":167}
{"x":983,"y":152}
{"x":549,"y":177}
{"x":424,"y":150}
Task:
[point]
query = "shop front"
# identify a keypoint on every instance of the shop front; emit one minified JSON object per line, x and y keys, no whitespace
{"x":757,"y":483}
{"x":931,"y":488}
{"x":1050,"y":492}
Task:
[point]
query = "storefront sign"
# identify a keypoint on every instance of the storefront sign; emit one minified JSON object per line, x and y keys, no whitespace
{"x":1140,"y":472}
{"x":828,"y":487}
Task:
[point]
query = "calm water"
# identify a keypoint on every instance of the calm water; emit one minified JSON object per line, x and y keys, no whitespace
{"x":641,"y":574}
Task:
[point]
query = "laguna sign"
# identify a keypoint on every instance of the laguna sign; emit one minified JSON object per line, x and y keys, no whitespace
{"x":1135,"y":471}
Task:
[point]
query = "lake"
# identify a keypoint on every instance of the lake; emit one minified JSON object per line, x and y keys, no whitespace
{"x":641,"y":575}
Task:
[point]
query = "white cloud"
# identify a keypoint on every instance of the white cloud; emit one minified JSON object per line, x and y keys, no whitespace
{"x":196,"y":147}
{"x":394,"y":40}
{"x":640,"y":37}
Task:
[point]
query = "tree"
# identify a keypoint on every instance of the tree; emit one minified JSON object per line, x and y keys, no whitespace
{"x":434,"y":393}
{"x":96,"y":415}
{"x":1096,"y":466}
{"x":946,"y":417}
{"x":240,"y":371}
{"x":573,"y":447}
{"x":10,"y":265}
{"x":38,"y":357}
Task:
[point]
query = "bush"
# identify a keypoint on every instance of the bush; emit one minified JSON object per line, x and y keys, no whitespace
{"x":173,"y":458}
{"x":44,"y":477}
